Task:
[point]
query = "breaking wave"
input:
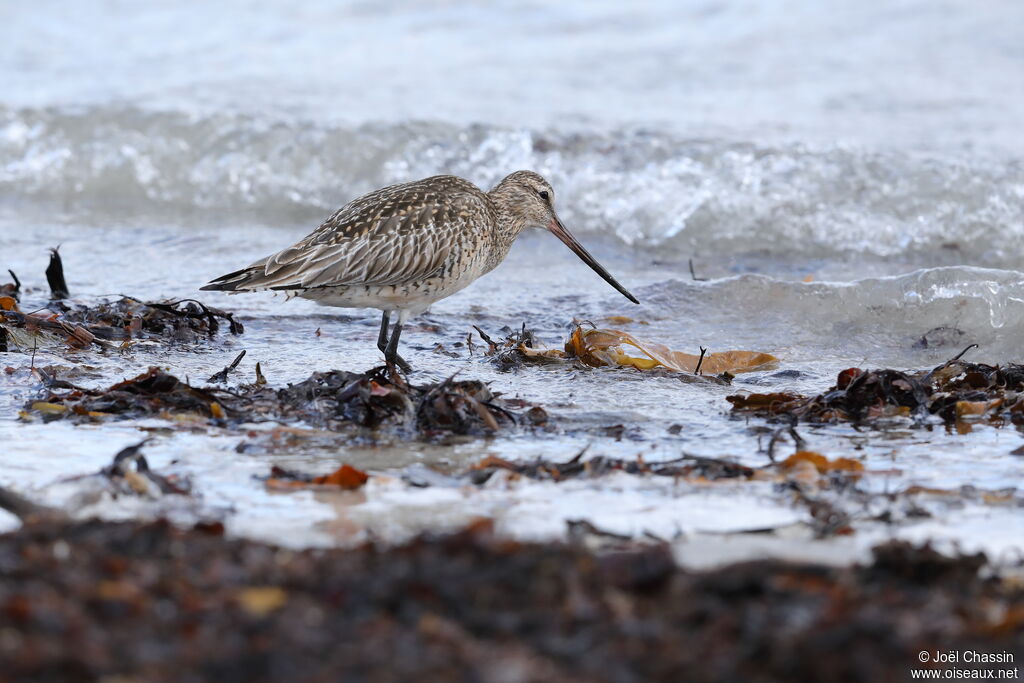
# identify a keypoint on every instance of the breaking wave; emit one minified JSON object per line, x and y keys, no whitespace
{"x":908,"y":319}
{"x":645,"y":189}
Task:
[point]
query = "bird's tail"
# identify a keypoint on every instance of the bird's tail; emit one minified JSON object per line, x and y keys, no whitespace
{"x":232,"y":282}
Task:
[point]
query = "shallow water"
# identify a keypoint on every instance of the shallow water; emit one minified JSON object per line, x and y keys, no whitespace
{"x":898,"y":193}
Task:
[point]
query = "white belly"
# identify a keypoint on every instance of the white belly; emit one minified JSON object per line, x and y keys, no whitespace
{"x":414,"y":298}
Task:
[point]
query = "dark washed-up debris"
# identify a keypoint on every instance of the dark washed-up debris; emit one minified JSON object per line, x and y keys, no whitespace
{"x":685,"y":466}
{"x":345,"y":477}
{"x":185,"y":321}
{"x":55,"y":276}
{"x":222,"y":376}
{"x":147,"y":601}
{"x":129,"y":472}
{"x":940,"y":336}
{"x":515,"y":350}
{"x":25,"y":508}
{"x":154,"y":392}
{"x":953,"y":391}
{"x":380,"y":398}
{"x":592,"y":347}
{"x":11,"y":289}
{"x":108,"y":322}
{"x":336,"y":400}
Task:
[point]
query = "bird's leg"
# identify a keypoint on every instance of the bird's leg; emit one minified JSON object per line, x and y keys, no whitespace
{"x":382,"y":338}
{"x":391,"y":352}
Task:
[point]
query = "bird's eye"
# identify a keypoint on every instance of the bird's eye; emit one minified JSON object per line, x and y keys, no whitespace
{"x":543,"y":194}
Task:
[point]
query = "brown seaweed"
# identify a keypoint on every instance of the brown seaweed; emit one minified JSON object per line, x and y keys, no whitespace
{"x":147,"y":601}
{"x":118,"y":320}
{"x":346,"y":477}
{"x":55,"y":276}
{"x":154,"y":392}
{"x":11,"y":289}
{"x":336,"y":400}
{"x":541,"y":468}
{"x":953,"y":391}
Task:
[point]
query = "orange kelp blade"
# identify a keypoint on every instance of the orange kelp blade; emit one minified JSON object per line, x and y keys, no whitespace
{"x":599,"y":347}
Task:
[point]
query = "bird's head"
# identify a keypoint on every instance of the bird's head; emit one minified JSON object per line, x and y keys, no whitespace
{"x":528,"y":198}
{"x":529,"y":201}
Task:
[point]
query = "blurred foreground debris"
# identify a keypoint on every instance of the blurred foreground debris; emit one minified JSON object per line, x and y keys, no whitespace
{"x":132,"y":601}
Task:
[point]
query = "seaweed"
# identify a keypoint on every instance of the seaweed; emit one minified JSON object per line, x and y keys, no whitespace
{"x":222,"y":376}
{"x":518,"y":348}
{"x":345,"y":478}
{"x":148,"y":601}
{"x":123,"y":320}
{"x":381,"y":398}
{"x":129,"y":472}
{"x":338,"y":400}
{"x":154,"y":392}
{"x":541,"y":468}
{"x":11,"y":290}
{"x":176,"y":320}
{"x":954,"y":391}
{"x":55,"y":276}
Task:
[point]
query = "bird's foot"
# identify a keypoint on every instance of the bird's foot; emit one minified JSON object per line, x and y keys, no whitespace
{"x":398,"y":361}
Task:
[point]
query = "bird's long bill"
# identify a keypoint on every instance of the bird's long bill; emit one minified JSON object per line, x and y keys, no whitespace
{"x":556,"y":227}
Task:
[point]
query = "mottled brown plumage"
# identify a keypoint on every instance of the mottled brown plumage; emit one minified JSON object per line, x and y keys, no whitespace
{"x":403,"y":247}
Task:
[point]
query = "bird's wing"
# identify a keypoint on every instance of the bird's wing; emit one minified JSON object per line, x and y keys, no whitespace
{"x":399,"y":234}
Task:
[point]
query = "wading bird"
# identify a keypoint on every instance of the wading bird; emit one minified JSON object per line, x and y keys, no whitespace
{"x":403,"y":247}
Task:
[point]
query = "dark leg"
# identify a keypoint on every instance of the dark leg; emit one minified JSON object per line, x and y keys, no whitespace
{"x":391,"y":352}
{"x":382,"y":338}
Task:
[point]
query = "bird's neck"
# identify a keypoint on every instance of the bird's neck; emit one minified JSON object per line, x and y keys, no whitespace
{"x":507,"y":225}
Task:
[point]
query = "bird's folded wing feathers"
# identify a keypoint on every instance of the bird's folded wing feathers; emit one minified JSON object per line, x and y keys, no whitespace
{"x":394,"y":247}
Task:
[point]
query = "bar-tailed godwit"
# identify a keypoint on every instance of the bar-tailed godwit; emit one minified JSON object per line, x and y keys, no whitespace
{"x":403,"y":247}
